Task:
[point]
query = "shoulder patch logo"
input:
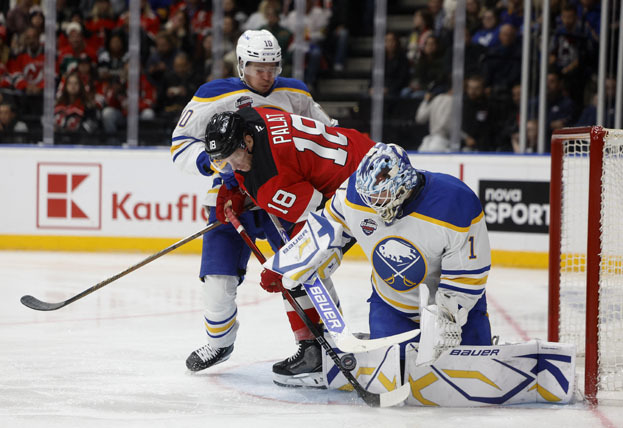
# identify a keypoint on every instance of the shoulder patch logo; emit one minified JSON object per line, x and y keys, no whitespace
{"x":399,"y":263}
{"x":244,"y":101}
{"x":368,"y":226}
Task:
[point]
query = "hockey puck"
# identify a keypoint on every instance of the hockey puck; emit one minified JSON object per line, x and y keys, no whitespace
{"x":348,"y":361}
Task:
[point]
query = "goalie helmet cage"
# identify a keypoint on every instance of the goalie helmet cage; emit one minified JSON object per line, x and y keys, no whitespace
{"x":586,"y":254}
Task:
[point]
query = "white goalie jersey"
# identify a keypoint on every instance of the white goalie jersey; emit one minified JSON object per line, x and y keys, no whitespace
{"x":217,"y":96}
{"x":440,"y":240}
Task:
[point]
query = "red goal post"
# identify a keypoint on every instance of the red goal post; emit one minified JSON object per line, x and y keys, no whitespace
{"x":586,"y":253}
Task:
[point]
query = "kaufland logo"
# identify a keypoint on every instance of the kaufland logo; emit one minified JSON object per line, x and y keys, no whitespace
{"x":69,"y":196}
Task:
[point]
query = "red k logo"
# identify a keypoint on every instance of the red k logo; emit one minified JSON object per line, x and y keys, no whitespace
{"x":69,"y":196}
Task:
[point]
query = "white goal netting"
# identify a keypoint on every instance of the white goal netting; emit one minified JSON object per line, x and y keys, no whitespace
{"x":574,"y":239}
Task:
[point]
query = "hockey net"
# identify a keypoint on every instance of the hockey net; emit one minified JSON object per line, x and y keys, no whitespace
{"x":586,"y":253}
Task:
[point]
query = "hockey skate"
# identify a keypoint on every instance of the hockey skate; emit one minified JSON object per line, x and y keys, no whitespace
{"x":304,"y":368}
{"x":206,"y":356}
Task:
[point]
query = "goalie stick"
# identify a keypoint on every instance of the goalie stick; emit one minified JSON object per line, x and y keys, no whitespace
{"x":332,"y":318}
{"x":39,"y":305}
{"x":386,"y":399}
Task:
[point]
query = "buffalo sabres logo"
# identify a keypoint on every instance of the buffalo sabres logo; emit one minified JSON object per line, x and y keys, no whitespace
{"x":368,"y":226}
{"x":243,"y":102}
{"x":399,"y":263}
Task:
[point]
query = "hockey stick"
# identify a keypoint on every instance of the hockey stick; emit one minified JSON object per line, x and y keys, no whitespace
{"x":385,"y":399}
{"x":332,"y":318}
{"x":39,"y":305}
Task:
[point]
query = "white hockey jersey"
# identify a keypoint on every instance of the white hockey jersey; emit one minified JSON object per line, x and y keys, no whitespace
{"x":440,"y":240}
{"x":187,"y":145}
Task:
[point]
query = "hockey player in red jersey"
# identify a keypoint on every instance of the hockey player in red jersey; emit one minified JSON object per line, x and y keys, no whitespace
{"x":289,"y":165}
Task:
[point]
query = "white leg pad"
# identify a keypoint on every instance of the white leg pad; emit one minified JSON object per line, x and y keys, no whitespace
{"x":220,"y":310}
{"x":474,"y":376}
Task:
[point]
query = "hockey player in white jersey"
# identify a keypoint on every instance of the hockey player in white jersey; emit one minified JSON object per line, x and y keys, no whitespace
{"x":225,"y":255}
{"x":417,"y":229}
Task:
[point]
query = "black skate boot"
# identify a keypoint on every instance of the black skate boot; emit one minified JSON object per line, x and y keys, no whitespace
{"x":304,"y":368}
{"x":206,"y":356}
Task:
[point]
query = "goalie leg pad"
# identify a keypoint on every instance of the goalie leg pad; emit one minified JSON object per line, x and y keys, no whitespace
{"x":377,"y":371}
{"x":473,"y":376}
{"x":220,"y":310}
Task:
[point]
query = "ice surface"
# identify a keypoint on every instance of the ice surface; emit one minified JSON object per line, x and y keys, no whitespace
{"x":116,"y":357}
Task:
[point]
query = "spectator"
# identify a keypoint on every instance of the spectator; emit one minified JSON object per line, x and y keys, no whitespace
{"x":561,"y":111}
{"x":338,"y":33}
{"x":588,"y":117}
{"x":477,"y":123}
{"x":508,"y":123}
{"x":503,"y":62}
{"x":488,"y":35}
{"x":115,"y":99}
{"x":73,"y":115}
{"x":436,"y":111}
{"x":282,"y":34}
{"x":230,"y":34}
{"x":422,"y":28}
{"x":230,"y":9}
{"x":568,"y":53}
{"x":17,"y":19}
{"x":532,"y":137}
{"x":162,"y":58}
{"x":396,"y":66}
{"x":150,"y":23}
{"x":179,"y":27}
{"x":202,"y":60}
{"x":5,"y":52}
{"x":26,"y":72}
{"x":10,"y":127}
{"x":435,"y":7}
{"x":111,"y":60}
{"x":474,"y":57}
{"x":177,"y":88}
{"x":472,"y":15}
{"x":429,"y":73}
{"x":258,"y":19}
{"x":101,"y":20}
{"x":37,"y":20}
{"x":69,"y":55}
{"x":315,"y":22}
{"x":512,"y":14}
{"x":198,"y":13}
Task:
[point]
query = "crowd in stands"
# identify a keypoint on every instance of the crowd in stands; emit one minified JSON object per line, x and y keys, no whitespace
{"x":176,"y":57}
{"x":492,"y":71}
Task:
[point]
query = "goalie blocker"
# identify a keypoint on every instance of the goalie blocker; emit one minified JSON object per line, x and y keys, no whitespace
{"x":468,"y":376}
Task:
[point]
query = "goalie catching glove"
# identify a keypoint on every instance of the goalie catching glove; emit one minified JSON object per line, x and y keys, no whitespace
{"x":441,"y":325}
{"x":233,"y":197}
{"x":317,"y":248}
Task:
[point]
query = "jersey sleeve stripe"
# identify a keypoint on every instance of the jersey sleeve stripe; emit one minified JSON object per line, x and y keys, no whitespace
{"x":466,"y":272}
{"x":218,"y":97}
{"x":467,"y":280}
{"x":177,"y":153}
{"x":446,"y":224}
{"x":300,"y":91}
{"x":358,"y":207}
{"x":461,"y":290}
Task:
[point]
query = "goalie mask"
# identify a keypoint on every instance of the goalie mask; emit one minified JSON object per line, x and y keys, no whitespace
{"x":224,"y":134}
{"x":258,"y":46}
{"x":384,"y":178}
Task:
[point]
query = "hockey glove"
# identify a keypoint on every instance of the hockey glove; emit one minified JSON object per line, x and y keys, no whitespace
{"x":271,"y":281}
{"x":233,"y":198}
{"x":441,"y":325}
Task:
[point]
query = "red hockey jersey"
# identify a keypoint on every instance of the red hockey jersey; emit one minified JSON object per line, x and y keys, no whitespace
{"x":298,"y":162}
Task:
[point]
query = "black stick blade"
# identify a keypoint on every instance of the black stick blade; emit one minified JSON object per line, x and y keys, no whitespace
{"x":38,"y":305}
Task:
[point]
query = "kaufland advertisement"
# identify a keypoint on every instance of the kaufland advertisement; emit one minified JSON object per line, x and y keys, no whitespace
{"x":98,"y":192}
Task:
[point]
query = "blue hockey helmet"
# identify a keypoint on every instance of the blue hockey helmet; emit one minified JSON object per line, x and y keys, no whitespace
{"x":384,"y":178}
